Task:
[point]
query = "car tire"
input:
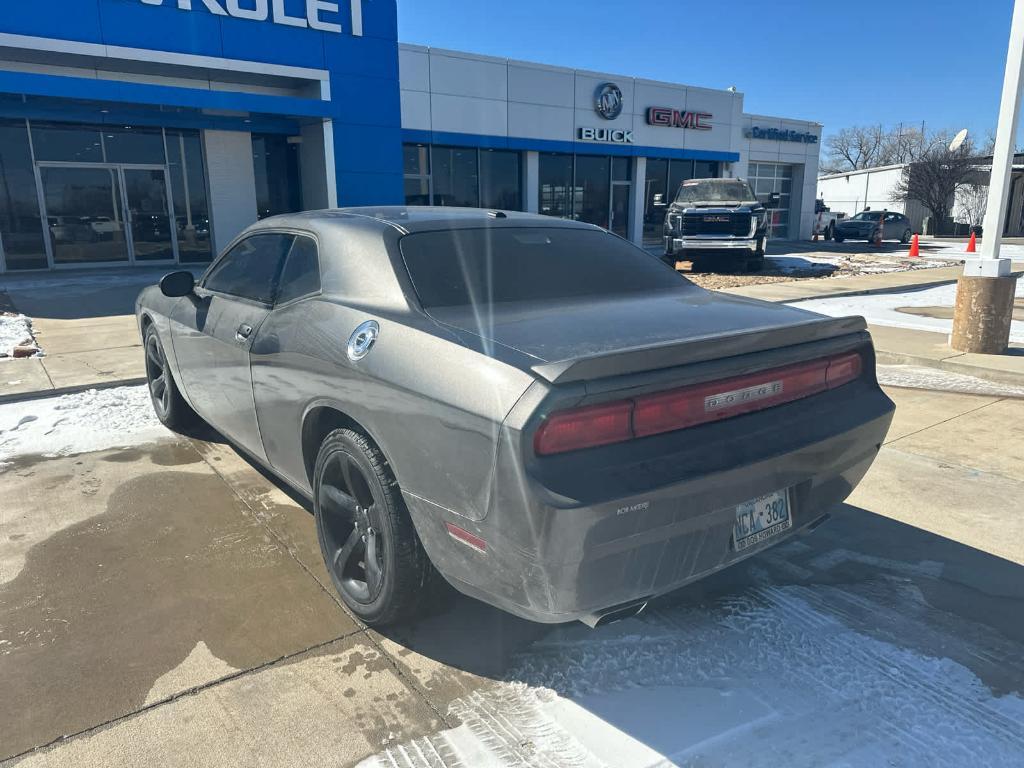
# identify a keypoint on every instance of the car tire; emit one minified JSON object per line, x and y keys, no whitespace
{"x":171,"y":408}
{"x":360,"y":513}
{"x":755,"y":264}
{"x":837,"y":238}
{"x":906,"y":237}
{"x":830,"y":232}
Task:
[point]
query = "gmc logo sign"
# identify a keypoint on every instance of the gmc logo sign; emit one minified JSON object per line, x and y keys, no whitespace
{"x":673,"y":118}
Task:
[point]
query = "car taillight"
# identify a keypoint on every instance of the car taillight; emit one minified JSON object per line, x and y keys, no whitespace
{"x":843,"y":369}
{"x":585,"y":427}
{"x":594,"y":425}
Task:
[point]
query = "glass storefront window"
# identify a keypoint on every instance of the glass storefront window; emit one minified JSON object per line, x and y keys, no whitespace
{"x":456,"y":176}
{"x":416,"y":166}
{"x":622,"y":168}
{"x":555,"y":178}
{"x":462,"y":176}
{"x":656,"y":199}
{"x":134,"y":145}
{"x":276,"y":164}
{"x":766,"y":178}
{"x":703,"y":169}
{"x":416,"y":160}
{"x":592,"y":190}
{"x":500,"y":180}
{"x":68,"y":143}
{"x":188,"y":190}
{"x":679,"y":171}
{"x":21,"y":226}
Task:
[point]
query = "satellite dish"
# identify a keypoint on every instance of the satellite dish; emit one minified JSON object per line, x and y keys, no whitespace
{"x":958,"y":141}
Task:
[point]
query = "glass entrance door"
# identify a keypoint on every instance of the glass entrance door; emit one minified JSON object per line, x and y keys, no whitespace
{"x":84,"y":214}
{"x":145,"y":191}
{"x":107,"y":214}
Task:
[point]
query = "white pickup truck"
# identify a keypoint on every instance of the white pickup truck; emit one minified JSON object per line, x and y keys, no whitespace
{"x":825,"y":220}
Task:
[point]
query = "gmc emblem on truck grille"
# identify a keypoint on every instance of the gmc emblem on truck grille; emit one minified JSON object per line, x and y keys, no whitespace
{"x":717,"y":219}
{"x":740,"y":396}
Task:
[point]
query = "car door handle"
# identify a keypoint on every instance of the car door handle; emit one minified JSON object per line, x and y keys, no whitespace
{"x":243,"y":333}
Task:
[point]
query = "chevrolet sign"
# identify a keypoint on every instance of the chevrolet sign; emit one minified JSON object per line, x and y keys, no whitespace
{"x":274,"y":11}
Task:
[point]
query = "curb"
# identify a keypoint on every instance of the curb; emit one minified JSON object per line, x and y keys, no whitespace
{"x":39,"y":394}
{"x":844,"y":294}
{"x":950,"y":365}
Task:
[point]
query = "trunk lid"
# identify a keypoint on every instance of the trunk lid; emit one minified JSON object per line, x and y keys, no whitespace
{"x":586,"y":339}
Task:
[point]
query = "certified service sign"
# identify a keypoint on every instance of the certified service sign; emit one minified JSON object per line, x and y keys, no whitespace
{"x":608,"y":101}
{"x":274,"y":11}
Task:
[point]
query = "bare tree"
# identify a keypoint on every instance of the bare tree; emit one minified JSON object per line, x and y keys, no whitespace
{"x":971,"y":202}
{"x":933,"y":178}
{"x":853,"y":149}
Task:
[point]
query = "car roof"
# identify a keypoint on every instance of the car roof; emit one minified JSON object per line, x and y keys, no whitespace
{"x":409,"y":219}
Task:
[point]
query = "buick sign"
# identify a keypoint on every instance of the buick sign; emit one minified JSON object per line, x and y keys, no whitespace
{"x":274,"y":11}
{"x":609,"y":135}
{"x":608,"y":101}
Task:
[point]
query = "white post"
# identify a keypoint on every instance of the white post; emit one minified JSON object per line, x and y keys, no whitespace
{"x":990,"y":264}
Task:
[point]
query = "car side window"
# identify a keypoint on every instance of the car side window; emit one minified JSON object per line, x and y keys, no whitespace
{"x":301,"y":275}
{"x":250,"y":270}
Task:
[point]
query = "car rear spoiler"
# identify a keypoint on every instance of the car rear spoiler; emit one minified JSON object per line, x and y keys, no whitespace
{"x":696,"y":350}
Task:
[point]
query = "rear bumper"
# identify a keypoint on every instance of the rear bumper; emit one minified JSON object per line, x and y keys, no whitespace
{"x":550,"y":561}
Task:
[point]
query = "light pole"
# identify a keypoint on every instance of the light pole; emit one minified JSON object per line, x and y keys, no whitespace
{"x":984,"y":296}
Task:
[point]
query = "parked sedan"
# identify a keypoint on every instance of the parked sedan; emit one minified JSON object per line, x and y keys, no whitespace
{"x":865,"y":226}
{"x":543,"y":414}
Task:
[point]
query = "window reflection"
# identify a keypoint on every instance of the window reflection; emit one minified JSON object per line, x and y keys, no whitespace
{"x":276,"y":165}
{"x":21,"y":227}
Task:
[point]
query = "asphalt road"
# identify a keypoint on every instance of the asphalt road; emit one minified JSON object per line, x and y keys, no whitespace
{"x":165,"y":604}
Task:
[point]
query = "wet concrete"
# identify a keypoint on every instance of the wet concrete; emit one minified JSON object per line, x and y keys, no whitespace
{"x":169,"y":603}
{"x":145,"y":553}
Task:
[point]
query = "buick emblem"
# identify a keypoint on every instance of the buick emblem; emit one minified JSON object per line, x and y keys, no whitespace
{"x":608,"y":101}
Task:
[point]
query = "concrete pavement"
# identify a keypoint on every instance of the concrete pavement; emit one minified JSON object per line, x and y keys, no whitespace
{"x":167,"y":604}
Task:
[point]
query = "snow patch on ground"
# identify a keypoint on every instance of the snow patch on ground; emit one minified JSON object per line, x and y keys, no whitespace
{"x":777,"y":675}
{"x":77,"y":423}
{"x":916,"y":377}
{"x":881,"y":309}
{"x":15,"y":331}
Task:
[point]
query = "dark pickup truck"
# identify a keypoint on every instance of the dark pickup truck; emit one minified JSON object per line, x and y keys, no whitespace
{"x":720,"y":219}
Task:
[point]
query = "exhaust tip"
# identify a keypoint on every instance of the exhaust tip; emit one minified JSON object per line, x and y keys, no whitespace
{"x":616,"y":613}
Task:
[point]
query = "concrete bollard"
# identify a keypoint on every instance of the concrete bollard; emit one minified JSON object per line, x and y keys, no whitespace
{"x":984,"y":309}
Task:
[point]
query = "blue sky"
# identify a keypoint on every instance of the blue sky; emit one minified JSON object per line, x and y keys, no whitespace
{"x":839,"y":64}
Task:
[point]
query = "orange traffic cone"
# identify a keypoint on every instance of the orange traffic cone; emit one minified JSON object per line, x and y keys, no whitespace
{"x":972,"y":244}
{"x":915,"y":251}
{"x":814,"y":238}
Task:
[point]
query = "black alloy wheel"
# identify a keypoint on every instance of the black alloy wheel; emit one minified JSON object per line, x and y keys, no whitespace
{"x":157,"y":375}
{"x":906,"y":237}
{"x":170,"y":407}
{"x":367,"y":539}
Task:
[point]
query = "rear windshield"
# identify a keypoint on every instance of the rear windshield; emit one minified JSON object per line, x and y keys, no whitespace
{"x":714,"y":191}
{"x":459,"y":267}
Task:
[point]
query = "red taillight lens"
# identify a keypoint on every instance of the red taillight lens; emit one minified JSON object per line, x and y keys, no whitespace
{"x":675,"y":409}
{"x":843,"y":369}
{"x":585,"y":427}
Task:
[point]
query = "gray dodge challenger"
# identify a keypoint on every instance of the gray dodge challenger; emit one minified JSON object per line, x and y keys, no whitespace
{"x":546,"y":416}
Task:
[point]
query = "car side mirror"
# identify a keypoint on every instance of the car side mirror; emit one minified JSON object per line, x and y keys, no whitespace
{"x":177,"y":284}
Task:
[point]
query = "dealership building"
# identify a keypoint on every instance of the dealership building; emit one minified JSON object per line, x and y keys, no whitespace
{"x":154,"y":131}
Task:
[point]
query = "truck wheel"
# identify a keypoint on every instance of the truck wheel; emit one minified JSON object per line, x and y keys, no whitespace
{"x":837,"y":238}
{"x":830,"y":232}
{"x":755,"y":264}
{"x":367,"y":538}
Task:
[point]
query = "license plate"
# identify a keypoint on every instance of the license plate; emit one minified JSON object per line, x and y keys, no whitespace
{"x":761,"y":518}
